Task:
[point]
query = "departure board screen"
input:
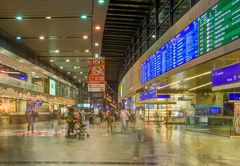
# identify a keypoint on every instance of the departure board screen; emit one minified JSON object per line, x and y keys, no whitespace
{"x":179,"y":50}
{"x":219,"y":25}
{"x":215,"y":28}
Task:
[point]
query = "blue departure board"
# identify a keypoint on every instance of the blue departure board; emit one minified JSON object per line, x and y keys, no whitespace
{"x":179,"y":50}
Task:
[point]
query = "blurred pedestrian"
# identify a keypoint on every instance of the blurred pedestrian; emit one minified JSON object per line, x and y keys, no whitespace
{"x":124,"y":116}
{"x":31,"y":117}
{"x":70,"y":121}
{"x":83,"y":115}
{"x":99,"y":118}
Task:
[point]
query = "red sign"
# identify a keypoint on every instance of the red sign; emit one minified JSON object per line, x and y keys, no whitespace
{"x":96,"y":71}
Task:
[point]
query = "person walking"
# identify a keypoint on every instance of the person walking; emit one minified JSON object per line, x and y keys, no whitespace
{"x":99,"y":118}
{"x":70,"y":122}
{"x":110,"y":119}
{"x":83,"y":115}
{"x":31,"y":117}
{"x":124,"y":115}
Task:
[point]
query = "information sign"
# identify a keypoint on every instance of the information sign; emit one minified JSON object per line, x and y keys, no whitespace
{"x":148,"y":95}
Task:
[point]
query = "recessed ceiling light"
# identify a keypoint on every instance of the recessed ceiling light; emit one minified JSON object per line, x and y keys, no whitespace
{"x":48,"y":17}
{"x":97,"y":27}
{"x":56,"y":51}
{"x":153,"y":36}
{"x":81,"y":72}
{"x":61,"y":67}
{"x":19,"y":17}
{"x":41,"y":37}
{"x":18,"y":37}
{"x":85,"y":76}
{"x":75,"y":76}
{"x":100,"y":1}
{"x":51,"y":60}
{"x":84,"y":17}
{"x":85,"y":37}
{"x":69,"y":72}
{"x":67,"y":60}
{"x":75,"y":67}
{"x":87,"y":50}
{"x":96,"y":55}
{"x":96,"y":44}
{"x":33,"y":73}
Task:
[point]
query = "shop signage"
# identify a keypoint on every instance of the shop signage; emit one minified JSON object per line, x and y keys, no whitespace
{"x":234,"y":96}
{"x":52,"y":87}
{"x":226,"y":75}
{"x":83,"y":105}
{"x":96,"y":87}
{"x":148,"y":95}
{"x":163,"y":96}
{"x":236,"y":119}
{"x":215,"y":110}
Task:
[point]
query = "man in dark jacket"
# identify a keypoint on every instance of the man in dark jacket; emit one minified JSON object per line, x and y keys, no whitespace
{"x":31,"y":116}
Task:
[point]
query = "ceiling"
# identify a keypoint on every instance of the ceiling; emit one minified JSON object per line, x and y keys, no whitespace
{"x":123,"y":19}
{"x":61,"y":25}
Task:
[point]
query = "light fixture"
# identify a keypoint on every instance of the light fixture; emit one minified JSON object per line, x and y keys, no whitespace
{"x":18,"y":37}
{"x":33,"y":73}
{"x":96,"y":55}
{"x":193,"y":77}
{"x":48,"y":17}
{"x":69,"y":72}
{"x":96,"y":44}
{"x":81,"y":72}
{"x":85,"y":37}
{"x":86,"y":50}
{"x":41,"y":37}
{"x":153,"y":36}
{"x":101,"y":1}
{"x":56,"y":51}
{"x":75,"y":76}
{"x":67,"y":60}
{"x":61,"y":67}
{"x":51,"y":60}
{"x":84,"y":17}
{"x":200,"y":86}
{"x":97,"y":27}
{"x":19,"y":18}
{"x":75,"y":67}
{"x":85,"y":76}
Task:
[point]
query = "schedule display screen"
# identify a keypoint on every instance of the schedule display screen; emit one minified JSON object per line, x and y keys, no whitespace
{"x":216,"y":27}
{"x":219,"y":25}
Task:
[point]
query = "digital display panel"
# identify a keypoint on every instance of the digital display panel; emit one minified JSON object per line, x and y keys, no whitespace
{"x":179,"y":50}
{"x":216,"y":27}
{"x":226,"y":75}
{"x":234,"y":96}
{"x":215,"y":110}
{"x":148,"y":95}
{"x":219,"y":25}
{"x":163,"y":96}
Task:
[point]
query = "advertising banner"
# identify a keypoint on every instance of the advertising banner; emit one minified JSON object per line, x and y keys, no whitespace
{"x":236,"y":120}
{"x":96,"y":71}
{"x":96,"y":75}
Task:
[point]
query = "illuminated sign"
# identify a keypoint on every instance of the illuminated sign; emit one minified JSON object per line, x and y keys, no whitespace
{"x":83,"y":105}
{"x":148,"y":95}
{"x":226,"y":75}
{"x":215,"y":110}
{"x":234,"y":96}
{"x":52,"y":87}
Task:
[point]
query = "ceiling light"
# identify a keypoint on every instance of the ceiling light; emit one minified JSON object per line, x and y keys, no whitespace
{"x":190,"y":78}
{"x":86,"y":50}
{"x":33,"y":73}
{"x":18,"y":37}
{"x":19,"y":17}
{"x":41,"y":37}
{"x":51,"y":60}
{"x":84,"y":17}
{"x":85,"y":76}
{"x":101,"y":1}
{"x":69,"y":72}
{"x":67,"y":60}
{"x":75,"y":76}
{"x":81,"y":72}
{"x":96,"y":44}
{"x":85,"y":37}
{"x":48,"y":17}
{"x":97,"y":27}
{"x":75,"y":67}
{"x":61,"y":67}
{"x":153,"y":36}
{"x":96,"y":55}
{"x":200,"y":86}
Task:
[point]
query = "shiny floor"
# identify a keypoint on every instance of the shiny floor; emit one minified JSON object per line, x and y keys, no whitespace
{"x":171,"y":146}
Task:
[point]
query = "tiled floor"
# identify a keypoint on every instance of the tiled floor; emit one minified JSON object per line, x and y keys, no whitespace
{"x":161,"y":146}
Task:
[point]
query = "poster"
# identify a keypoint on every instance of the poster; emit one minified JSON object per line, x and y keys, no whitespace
{"x":236,"y":120}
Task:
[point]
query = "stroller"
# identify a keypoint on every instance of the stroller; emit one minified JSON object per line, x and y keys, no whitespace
{"x":80,"y":129}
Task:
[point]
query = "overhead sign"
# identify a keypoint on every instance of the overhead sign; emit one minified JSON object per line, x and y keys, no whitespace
{"x":215,"y":110}
{"x":234,"y":96}
{"x":148,"y":95}
{"x":96,"y":71}
{"x":96,"y":87}
{"x":226,"y":75}
{"x":163,"y":96}
{"x":83,"y":105}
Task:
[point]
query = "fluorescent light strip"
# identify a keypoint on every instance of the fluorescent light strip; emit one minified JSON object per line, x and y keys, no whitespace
{"x":200,"y":86}
{"x":169,"y":85}
{"x":190,"y":78}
